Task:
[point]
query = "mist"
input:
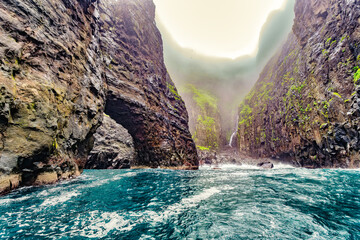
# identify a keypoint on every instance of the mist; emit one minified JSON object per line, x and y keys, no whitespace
{"x":229,"y":80}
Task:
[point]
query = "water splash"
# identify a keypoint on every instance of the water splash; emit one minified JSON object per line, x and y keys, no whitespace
{"x":236,"y":202}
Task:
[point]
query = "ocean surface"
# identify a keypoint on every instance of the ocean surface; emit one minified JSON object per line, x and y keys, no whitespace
{"x":231,"y":203}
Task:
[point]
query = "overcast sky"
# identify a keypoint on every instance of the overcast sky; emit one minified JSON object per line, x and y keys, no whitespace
{"x":218,"y":28}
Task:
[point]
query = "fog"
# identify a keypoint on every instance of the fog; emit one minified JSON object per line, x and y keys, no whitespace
{"x":230,"y":80}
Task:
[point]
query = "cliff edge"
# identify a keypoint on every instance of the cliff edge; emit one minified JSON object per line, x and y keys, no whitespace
{"x":305,"y":107}
{"x":62,"y":65}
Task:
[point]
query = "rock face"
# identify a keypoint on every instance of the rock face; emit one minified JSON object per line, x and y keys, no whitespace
{"x":62,"y":64}
{"x":306,"y":103}
{"x":113,"y":147}
{"x":205,"y":121}
{"x":51,"y":98}
{"x":140,"y":94}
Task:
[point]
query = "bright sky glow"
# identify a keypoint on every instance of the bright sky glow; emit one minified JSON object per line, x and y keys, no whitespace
{"x":220,"y":28}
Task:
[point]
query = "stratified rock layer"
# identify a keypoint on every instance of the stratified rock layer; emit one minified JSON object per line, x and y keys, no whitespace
{"x":306,"y":104}
{"x":62,"y":63}
{"x":51,"y":94}
{"x":113,"y":147}
{"x":140,"y":94}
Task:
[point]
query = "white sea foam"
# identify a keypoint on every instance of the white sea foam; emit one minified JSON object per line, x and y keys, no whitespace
{"x":95,"y":184}
{"x":183,"y":205}
{"x":12,"y":200}
{"x":130,"y":174}
{"x":244,"y":166}
{"x":98,"y":225}
{"x":64,"y":197}
{"x":282,"y":166}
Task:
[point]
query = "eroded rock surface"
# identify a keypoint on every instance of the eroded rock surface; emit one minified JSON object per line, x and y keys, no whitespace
{"x":62,"y":63}
{"x":51,"y":94}
{"x":113,"y":147}
{"x":140,"y":94}
{"x":306,"y":103}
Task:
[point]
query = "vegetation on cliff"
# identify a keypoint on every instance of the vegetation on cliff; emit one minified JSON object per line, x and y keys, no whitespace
{"x":203,"y":109}
{"x":305,"y":104}
{"x":62,"y":65}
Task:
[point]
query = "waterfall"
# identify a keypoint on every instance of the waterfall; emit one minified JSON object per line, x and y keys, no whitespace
{"x":233,"y":136}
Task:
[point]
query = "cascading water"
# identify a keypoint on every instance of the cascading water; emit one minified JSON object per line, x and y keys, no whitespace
{"x":233,"y":136}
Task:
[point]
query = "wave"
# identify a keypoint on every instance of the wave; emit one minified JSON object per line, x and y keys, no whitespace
{"x":245,"y":166}
{"x":64,"y":197}
{"x":182,"y":206}
{"x":12,"y":200}
{"x":99,"y":225}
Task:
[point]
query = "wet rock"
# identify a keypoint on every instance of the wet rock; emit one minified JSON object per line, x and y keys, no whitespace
{"x":66,"y":63}
{"x":306,"y":100}
{"x":113,"y":147}
{"x":266,"y":165}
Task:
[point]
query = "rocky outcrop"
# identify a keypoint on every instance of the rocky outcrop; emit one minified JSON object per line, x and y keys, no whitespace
{"x":140,"y":94}
{"x":113,"y":147}
{"x":305,"y":105}
{"x":205,"y":121}
{"x":51,"y":98}
{"x":62,"y":64}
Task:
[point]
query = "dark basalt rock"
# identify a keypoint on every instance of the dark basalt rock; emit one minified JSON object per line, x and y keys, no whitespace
{"x":140,"y":94}
{"x":266,"y":165}
{"x":308,"y":93}
{"x":113,"y":147}
{"x":62,"y":64}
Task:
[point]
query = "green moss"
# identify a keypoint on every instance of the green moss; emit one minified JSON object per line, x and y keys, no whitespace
{"x":337,"y":94}
{"x":357,"y":76}
{"x":323,"y":125}
{"x":333,"y":42}
{"x":32,"y":106}
{"x":343,"y":38}
{"x":207,"y":127}
{"x":203,"y":98}
{"x":55,"y":144}
{"x":202,"y":148}
{"x":328,"y":40}
{"x":245,"y":117}
{"x":174,"y":92}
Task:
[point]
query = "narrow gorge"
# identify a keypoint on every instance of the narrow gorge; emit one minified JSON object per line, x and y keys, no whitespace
{"x":180,"y":119}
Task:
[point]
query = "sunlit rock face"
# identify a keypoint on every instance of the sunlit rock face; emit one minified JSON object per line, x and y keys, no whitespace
{"x":305,"y":106}
{"x":62,"y":63}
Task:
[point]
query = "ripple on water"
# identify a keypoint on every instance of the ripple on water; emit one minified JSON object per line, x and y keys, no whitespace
{"x":232,"y":203}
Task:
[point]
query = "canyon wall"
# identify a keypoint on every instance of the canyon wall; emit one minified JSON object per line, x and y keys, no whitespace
{"x":305,"y":107}
{"x":204,"y":118}
{"x":62,"y":64}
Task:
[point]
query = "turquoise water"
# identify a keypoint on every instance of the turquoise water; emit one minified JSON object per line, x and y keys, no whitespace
{"x":232,"y":203}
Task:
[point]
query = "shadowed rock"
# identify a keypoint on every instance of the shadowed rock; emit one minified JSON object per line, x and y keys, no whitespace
{"x":304,"y":107}
{"x":62,"y":63}
{"x":113,"y":147}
